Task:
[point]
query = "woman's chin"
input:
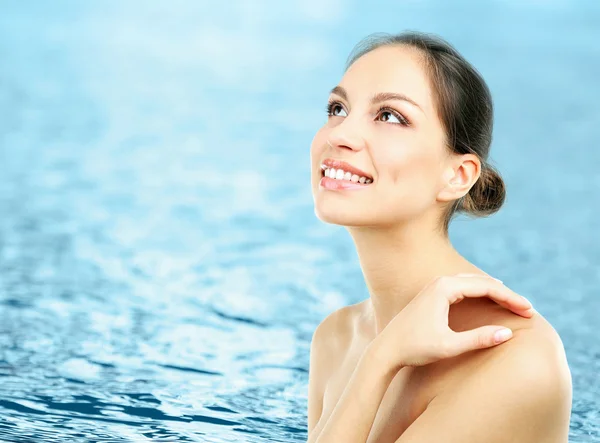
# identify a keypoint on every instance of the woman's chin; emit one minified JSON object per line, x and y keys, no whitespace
{"x":346,"y":217}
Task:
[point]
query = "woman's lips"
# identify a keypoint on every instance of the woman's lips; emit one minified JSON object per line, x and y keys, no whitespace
{"x":340,"y":185}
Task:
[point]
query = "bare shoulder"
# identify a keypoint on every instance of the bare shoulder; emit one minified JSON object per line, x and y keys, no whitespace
{"x":525,"y":382}
{"x":333,"y":337}
{"x":536,"y":351}
{"x":535,"y":331}
{"x":335,"y":329}
{"x":539,"y":346}
{"x":532,"y":379}
{"x":533,"y":335}
{"x":329,"y":343}
{"x":536,"y":338}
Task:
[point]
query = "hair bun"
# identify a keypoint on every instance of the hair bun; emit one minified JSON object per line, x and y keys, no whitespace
{"x":487,"y":194}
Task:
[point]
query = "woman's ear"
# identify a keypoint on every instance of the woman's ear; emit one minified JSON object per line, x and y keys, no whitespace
{"x":459,"y":177}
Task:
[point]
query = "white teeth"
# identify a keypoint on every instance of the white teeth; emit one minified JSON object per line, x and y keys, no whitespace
{"x":340,"y":174}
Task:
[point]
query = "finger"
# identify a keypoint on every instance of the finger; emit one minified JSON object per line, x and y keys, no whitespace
{"x":481,"y":286}
{"x":479,"y":338}
{"x":502,"y":294}
{"x":503,"y":304}
{"x":477,"y":275}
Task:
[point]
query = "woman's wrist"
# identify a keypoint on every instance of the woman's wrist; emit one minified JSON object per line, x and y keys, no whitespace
{"x":378,"y":357}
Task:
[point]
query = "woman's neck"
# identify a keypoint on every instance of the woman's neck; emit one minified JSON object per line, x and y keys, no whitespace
{"x":397,"y":263}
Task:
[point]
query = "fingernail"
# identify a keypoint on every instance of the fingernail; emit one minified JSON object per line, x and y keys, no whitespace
{"x":502,"y":335}
{"x":530,"y":304}
{"x":497,"y":279}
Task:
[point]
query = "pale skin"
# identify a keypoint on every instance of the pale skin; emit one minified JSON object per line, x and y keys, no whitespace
{"x":415,"y":362}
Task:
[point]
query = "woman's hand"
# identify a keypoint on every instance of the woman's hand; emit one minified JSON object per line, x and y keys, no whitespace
{"x":422,"y":326}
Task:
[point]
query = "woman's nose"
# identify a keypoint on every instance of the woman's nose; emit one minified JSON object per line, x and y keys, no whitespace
{"x":346,"y":135}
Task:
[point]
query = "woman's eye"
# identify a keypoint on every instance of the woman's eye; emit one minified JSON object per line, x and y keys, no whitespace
{"x":387,"y":115}
{"x":334,"y":109}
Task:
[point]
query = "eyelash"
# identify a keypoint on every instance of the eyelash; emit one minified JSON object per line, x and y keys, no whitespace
{"x":403,"y":120}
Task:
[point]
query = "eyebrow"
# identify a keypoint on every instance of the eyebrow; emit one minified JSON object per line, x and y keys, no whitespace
{"x":377,"y":98}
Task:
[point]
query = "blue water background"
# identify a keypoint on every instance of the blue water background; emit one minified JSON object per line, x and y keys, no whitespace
{"x":161,"y":267}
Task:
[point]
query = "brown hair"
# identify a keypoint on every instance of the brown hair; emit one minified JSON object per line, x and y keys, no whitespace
{"x":465,"y":108}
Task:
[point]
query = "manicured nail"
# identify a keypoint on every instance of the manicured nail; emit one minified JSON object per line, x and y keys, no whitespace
{"x":502,"y":335}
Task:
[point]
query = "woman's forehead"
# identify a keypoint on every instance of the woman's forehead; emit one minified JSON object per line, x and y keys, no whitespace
{"x":398,"y":69}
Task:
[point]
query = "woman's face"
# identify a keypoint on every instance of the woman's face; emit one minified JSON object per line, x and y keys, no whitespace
{"x":398,"y":141}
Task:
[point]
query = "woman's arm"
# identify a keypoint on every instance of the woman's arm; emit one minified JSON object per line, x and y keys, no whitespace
{"x":426,"y":337}
{"x":354,"y":414}
{"x":521,"y":393}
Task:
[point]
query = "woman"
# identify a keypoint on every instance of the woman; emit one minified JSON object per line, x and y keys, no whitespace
{"x":404,"y":149}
